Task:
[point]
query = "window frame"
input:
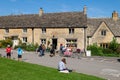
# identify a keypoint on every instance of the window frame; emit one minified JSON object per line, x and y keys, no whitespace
{"x":43,"y":30}
{"x":7,"y":30}
{"x":24,"y":30}
{"x":71,"y":30}
{"x":103,"y":32}
{"x":24,"y":39}
{"x":43,"y":41}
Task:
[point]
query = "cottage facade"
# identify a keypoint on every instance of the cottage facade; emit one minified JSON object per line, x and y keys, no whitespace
{"x":67,"y":28}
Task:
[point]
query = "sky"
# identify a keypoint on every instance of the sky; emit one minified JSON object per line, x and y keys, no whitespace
{"x":95,"y":8}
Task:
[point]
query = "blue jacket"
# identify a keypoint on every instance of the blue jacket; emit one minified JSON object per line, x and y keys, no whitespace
{"x":19,"y":51}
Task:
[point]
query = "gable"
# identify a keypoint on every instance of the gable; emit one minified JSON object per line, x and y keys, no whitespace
{"x":103,"y":26}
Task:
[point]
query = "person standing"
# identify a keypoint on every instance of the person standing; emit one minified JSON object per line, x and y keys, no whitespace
{"x":8,"y":51}
{"x":20,"y":52}
{"x":40,"y":50}
{"x":43,"y":49}
{"x":52,"y":51}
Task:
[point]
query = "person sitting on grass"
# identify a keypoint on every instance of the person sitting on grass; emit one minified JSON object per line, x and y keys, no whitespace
{"x":62,"y":67}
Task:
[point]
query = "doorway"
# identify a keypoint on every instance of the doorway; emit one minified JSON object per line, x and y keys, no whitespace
{"x":54,"y":42}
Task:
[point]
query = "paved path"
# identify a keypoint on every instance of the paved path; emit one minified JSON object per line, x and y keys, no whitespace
{"x":108,"y":68}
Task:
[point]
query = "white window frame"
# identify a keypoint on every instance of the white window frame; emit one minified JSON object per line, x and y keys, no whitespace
{"x":43,"y":41}
{"x":44,"y":30}
{"x":103,"y":32}
{"x":71,"y":30}
{"x":24,"y":39}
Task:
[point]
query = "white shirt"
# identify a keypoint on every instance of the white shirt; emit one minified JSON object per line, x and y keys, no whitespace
{"x":61,"y":66}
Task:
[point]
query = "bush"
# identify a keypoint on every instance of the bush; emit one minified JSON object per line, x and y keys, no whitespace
{"x":95,"y":50}
{"x":28,"y":47}
{"x":4,"y":43}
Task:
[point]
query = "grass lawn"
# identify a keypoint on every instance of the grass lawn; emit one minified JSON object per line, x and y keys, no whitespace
{"x":14,"y":70}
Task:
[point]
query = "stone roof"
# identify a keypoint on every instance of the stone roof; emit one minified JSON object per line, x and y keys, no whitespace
{"x":93,"y":24}
{"x":63,"y":19}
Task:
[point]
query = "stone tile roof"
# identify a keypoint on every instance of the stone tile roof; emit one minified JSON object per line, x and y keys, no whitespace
{"x":93,"y":24}
{"x":64,"y":19}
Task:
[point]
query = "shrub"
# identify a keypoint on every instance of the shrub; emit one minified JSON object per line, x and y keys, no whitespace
{"x":28,"y":47}
{"x":4,"y":43}
{"x":95,"y":50}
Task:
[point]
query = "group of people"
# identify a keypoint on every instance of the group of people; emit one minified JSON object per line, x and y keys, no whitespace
{"x":9,"y":52}
{"x":61,"y":65}
{"x":66,"y":51}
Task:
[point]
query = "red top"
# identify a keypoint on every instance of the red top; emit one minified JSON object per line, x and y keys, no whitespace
{"x":8,"y":49}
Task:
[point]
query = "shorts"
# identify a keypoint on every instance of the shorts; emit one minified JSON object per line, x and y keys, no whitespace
{"x":19,"y":56}
{"x":9,"y":54}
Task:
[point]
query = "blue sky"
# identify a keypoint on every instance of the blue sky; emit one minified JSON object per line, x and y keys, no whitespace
{"x":95,"y":8}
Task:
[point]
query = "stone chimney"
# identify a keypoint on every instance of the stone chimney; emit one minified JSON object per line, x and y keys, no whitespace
{"x":85,"y":10}
{"x":115,"y":16}
{"x":41,"y":12}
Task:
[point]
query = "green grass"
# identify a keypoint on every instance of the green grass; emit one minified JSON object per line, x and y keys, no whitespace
{"x":14,"y":70}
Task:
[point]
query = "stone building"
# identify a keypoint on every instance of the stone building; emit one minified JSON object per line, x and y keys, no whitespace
{"x":102,"y":30}
{"x":67,"y":28}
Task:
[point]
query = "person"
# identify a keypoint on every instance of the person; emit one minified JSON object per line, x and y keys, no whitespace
{"x":20,"y":52}
{"x":43,"y":49}
{"x":40,"y":50}
{"x":62,"y":67}
{"x":8,"y":51}
{"x":52,"y":51}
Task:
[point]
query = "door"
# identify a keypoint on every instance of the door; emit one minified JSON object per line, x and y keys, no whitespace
{"x":54,"y":42}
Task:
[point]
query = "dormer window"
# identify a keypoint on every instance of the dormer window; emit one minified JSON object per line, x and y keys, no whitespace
{"x":103,"y":32}
{"x":25,"y":30}
{"x":6,"y":30}
{"x":43,"y":30}
{"x":71,"y":30}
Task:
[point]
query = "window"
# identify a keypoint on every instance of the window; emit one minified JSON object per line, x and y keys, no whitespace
{"x":71,"y":42}
{"x":6,"y":30}
{"x":71,"y":30}
{"x":43,"y":30}
{"x":24,"y":39}
{"x":103,"y":32}
{"x":43,"y":41}
{"x":104,"y":45}
{"x":25,"y":30}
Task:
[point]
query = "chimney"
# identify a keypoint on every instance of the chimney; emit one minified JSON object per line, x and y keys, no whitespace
{"x":41,"y":12}
{"x":115,"y":16}
{"x":85,"y":10}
